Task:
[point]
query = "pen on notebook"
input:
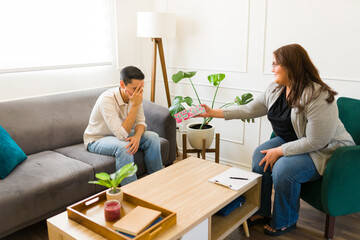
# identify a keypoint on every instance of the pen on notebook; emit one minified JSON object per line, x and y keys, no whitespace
{"x":239,"y":178}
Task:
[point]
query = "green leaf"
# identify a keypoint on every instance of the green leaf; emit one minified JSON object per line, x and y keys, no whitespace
{"x":177,"y":107}
{"x":130,"y":171}
{"x":174,"y":109}
{"x":123,"y":170}
{"x":189,"y":74}
{"x":245,"y":99}
{"x":188,"y":100}
{"x":102,"y":176}
{"x":180,"y":99}
{"x":238,"y":100}
{"x":105,"y":183}
{"x":102,"y":183}
{"x":177,"y":77}
{"x":215,"y":79}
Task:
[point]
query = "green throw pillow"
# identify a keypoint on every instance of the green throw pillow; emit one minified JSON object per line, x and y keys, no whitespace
{"x":10,"y":153}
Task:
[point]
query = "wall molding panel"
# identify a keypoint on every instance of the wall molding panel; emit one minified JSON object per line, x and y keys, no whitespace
{"x":322,"y":56}
{"x":240,"y":69}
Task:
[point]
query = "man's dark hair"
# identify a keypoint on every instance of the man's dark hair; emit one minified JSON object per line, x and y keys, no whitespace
{"x":129,"y":73}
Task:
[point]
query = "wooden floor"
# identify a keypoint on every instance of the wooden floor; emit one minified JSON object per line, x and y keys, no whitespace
{"x":310,"y":226}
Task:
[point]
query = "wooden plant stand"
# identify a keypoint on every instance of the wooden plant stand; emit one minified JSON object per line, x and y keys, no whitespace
{"x":216,"y":150}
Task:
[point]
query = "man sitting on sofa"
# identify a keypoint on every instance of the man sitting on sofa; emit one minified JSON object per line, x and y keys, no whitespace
{"x":110,"y":130}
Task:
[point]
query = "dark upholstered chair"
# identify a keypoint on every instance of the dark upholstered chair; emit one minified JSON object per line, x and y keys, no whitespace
{"x":338,"y":192}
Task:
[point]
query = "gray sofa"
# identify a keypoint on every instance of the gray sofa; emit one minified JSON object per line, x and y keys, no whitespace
{"x":49,"y":130}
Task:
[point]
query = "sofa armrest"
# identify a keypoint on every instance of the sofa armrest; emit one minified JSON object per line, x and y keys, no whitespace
{"x":340,"y":190}
{"x":159,"y":120}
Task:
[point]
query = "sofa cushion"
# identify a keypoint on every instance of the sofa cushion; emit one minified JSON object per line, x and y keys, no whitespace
{"x":10,"y":153}
{"x":100,"y":163}
{"x":51,"y":121}
{"x":43,"y":183}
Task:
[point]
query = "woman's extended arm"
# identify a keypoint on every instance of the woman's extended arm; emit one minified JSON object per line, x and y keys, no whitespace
{"x":215,"y":113}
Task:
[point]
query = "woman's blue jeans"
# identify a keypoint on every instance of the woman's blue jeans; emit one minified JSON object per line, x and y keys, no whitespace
{"x":287,"y":175}
{"x":113,"y":146}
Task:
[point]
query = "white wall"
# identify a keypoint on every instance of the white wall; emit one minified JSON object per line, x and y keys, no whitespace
{"x":237,"y":37}
{"x":35,"y":81}
{"x":125,"y":51}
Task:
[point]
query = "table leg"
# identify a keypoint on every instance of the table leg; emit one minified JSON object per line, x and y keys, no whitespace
{"x":246,"y":229}
{"x":184,"y":146}
{"x":203,"y":148}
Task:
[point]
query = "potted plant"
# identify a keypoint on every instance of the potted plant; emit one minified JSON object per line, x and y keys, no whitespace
{"x":113,"y":180}
{"x":198,"y":131}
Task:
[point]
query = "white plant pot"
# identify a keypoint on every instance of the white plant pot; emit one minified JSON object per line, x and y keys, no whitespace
{"x":115,"y":196}
{"x":196,"y":136}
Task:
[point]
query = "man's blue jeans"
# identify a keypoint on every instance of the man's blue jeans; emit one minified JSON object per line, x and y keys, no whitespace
{"x":112,"y":146}
{"x":287,"y":175}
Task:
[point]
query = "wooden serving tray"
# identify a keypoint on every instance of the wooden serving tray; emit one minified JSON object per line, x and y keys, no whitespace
{"x":90,"y":213}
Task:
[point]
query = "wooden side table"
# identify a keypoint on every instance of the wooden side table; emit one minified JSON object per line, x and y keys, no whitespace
{"x":216,"y":150}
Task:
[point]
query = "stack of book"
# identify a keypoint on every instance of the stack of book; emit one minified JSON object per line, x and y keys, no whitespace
{"x":136,"y":221}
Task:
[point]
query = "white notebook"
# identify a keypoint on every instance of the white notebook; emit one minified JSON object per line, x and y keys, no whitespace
{"x":234,"y":178}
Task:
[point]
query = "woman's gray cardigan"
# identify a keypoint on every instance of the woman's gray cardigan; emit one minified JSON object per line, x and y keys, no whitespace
{"x":318,"y":127}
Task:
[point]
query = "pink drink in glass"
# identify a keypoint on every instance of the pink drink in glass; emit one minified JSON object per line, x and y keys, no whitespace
{"x":112,"y":210}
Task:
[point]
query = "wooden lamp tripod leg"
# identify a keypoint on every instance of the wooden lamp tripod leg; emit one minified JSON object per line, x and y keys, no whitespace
{"x":158,"y":44}
{"x":163,"y":68}
{"x":153,"y":70}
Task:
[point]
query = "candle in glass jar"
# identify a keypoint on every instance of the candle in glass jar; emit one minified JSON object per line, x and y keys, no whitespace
{"x":112,"y":210}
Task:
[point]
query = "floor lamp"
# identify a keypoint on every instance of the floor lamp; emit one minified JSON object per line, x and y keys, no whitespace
{"x":156,"y":26}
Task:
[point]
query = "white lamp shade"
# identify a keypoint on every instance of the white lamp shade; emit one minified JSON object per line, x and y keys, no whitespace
{"x":156,"y":24}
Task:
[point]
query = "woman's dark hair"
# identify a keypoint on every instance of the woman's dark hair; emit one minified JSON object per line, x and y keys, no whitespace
{"x":302,"y":73}
{"x":129,"y":73}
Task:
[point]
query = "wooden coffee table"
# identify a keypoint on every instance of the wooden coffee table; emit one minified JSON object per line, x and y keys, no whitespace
{"x":184,"y":189}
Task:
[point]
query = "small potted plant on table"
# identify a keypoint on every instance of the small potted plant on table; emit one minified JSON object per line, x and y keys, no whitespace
{"x":113,"y":180}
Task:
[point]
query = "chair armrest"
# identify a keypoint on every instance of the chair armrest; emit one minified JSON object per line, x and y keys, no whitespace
{"x":272,"y":135}
{"x":340,"y":190}
{"x":159,"y":120}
